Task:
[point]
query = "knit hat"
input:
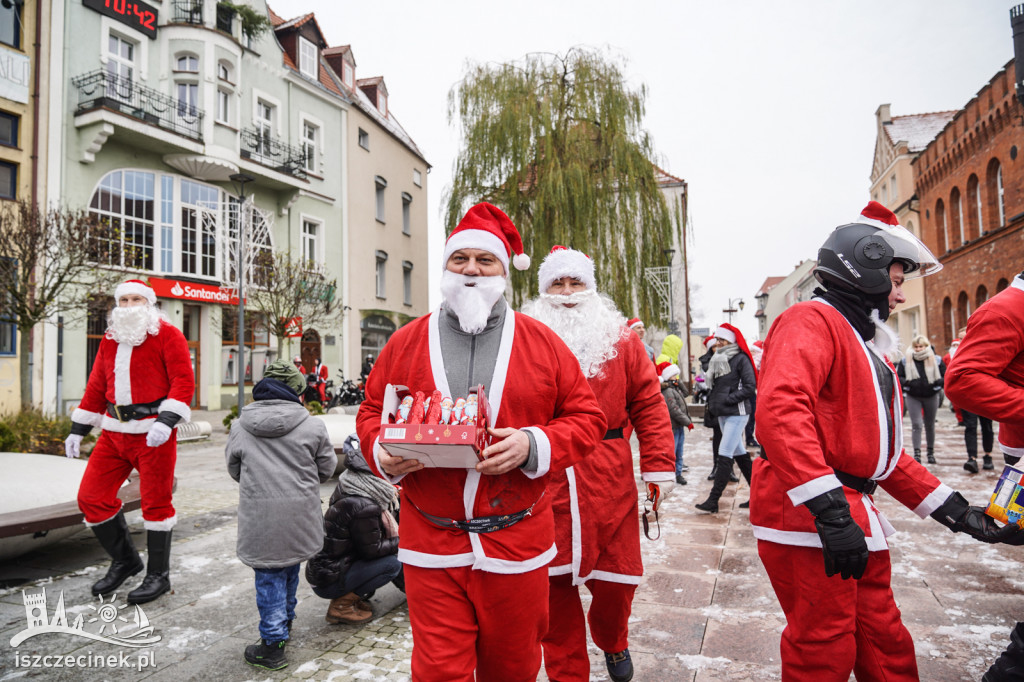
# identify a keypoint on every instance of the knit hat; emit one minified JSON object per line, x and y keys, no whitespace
{"x":486,"y":227}
{"x":634,"y":323}
{"x":563,"y":262}
{"x":667,"y":370}
{"x":287,"y":374}
{"x":135,"y":286}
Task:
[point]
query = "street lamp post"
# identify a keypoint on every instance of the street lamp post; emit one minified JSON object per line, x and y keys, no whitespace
{"x":240,"y":179}
{"x":673,"y":328}
{"x":730,"y":309}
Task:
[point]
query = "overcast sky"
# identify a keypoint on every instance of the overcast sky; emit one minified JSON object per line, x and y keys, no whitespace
{"x":766,"y":109}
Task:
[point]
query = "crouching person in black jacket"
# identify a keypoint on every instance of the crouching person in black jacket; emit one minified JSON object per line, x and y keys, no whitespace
{"x":360,"y":551}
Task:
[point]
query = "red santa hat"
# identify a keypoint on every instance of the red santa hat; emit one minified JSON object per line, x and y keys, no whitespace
{"x":135,"y":286}
{"x":667,"y":370}
{"x":634,"y":323}
{"x":709,"y":342}
{"x":879,"y":216}
{"x":564,"y":262}
{"x":486,"y":227}
{"x":733,"y":335}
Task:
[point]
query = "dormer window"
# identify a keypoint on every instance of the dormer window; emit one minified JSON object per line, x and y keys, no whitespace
{"x":382,"y":103}
{"x":348,"y":75}
{"x":307,"y":59}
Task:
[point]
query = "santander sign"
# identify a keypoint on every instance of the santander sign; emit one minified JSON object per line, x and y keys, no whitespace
{"x":191,"y":291}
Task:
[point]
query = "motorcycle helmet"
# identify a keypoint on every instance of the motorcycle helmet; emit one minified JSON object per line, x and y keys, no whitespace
{"x":857,"y":255}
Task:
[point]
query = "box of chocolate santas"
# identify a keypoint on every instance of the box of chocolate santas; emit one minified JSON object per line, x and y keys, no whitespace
{"x":1007,"y":501}
{"x":435,"y":429}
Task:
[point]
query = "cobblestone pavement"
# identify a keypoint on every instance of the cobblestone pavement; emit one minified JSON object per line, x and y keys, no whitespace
{"x":704,"y":612}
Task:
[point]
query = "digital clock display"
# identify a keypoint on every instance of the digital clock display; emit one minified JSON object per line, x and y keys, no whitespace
{"x":139,"y":15}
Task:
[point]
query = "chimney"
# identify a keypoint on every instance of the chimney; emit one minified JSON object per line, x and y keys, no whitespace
{"x":1017,"y":22}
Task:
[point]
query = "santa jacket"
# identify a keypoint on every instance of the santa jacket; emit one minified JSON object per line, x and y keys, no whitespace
{"x":595,"y":501}
{"x":537,"y":386}
{"x":820,"y":409}
{"x":986,"y":374}
{"x":159,"y":368}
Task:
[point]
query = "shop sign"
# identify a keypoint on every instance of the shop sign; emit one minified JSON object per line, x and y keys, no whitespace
{"x":378,"y":323}
{"x":192,"y":291}
{"x":293,"y":329}
{"x":14,"y":75}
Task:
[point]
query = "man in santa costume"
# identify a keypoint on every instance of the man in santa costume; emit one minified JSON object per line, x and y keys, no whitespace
{"x":829,"y":422}
{"x":637,"y":325}
{"x":139,"y":389}
{"x":595,"y":501}
{"x":986,"y":377}
{"x":476,"y":542}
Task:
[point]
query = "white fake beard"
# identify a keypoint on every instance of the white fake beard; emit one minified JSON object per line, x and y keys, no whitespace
{"x":885,"y":341}
{"x":591,"y":329}
{"x":133,"y":324}
{"x":471,"y":298}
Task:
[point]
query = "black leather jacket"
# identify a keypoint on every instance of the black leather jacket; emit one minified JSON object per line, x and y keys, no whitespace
{"x":729,"y":393}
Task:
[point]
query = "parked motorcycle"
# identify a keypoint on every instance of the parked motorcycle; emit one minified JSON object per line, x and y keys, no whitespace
{"x":312,"y":392}
{"x":348,"y":393}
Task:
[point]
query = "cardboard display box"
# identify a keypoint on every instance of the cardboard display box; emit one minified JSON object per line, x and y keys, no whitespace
{"x":1007,"y":502}
{"x":446,"y":446}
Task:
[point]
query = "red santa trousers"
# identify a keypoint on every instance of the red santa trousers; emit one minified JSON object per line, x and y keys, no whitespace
{"x":565,"y":645}
{"x":465,"y":620}
{"x":835,"y":626}
{"x":110,"y":463}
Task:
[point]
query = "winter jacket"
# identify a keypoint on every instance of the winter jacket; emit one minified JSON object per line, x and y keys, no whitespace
{"x":671,"y":347}
{"x":353,"y":529}
{"x":729,"y":393}
{"x":920,"y":387}
{"x":279,"y":455}
{"x":675,"y":398}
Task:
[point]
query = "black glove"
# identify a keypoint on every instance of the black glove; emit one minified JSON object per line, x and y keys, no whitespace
{"x":1010,"y":534}
{"x":842,"y":540}
{"x":959,"y":516}
{"x":1010,"y":459}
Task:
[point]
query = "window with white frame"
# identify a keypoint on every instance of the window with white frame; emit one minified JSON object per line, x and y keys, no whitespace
{"x":188,"y":99}
{"x":407,"y":282}
{"x":417,"y":177}
{"x":310,"y":135}
{"x":307,"y":59}
{"x":264,"y":126}
{"x":406,"y":213}
{"x":126,"y":203}
{"x":364,"y":139}
{"x":382,"y":259}
{"x":380,"y":184}
{"x":120,"y":66}
{"x":223,"y":106}
{"x":310,"y":240}
{"x":348,"y":74}
{"x":187,"y":64}
{"x":382,"y":103}
{"x":224,"y":72}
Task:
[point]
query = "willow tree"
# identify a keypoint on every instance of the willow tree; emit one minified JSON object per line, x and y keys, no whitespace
{"x":557,"y":142}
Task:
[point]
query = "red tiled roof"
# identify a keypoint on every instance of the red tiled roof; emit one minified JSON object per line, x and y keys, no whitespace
{"x":665,"y":178}
{"x":917,"y":130}
{"x":275,"y":20}
{"x":769,"y":284}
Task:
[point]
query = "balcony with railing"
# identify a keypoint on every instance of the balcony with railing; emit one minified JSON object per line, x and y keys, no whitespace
{"x":103,"y":90}
{"x":263,"y":148}
{"x":187,"y":12}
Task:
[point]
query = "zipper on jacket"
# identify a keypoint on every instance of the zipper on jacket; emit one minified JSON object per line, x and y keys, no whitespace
{"x":472,"y":360}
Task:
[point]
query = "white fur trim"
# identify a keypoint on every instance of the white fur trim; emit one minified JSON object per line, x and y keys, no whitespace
{"x":111,"y":518}
{"x":123,"y":374}
{"x":576,"y":522}
{"x":85,"y":417}
{"x":670,"y":371}
{"x":177,"y":407}
{"x":1018,"y":283}
{"x":376,"y":458}
{"x":125,"y":288}
{"x":727,"y":334}
{"x":543,"y":452}
{"x":873,"y":222}
{"x":560,"y":570}
{"x":166,"y":524}
{"x":424,"y":560}
{"x":813,"y":488}
{"x":1011,"y":451}
{"x":794,"y":538}
{"x":610,"y":577}
{"x":934,"y":500}
{"x":475,"y":239}
{"x":566,"y":263}
{"x":658,"y":476}
{"x":507,"y":567}
{"x":136,"y":426}
{"x":638,"y":323}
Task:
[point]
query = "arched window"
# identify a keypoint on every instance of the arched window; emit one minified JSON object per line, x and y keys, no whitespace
{"x":126,"y":200}
{"x":996,"y":213}
{"x":187,"y":63}
{"x":980,"y":296}
{"x":940,"y":226}
{"x":956,"y":209}
{"x":963,"y":308}
{"x":975,"y":219}
{"x":948,"y":323}
{"x":1002,"y":284}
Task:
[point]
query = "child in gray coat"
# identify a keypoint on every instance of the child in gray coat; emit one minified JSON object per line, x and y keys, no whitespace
{"x":279,"y":455}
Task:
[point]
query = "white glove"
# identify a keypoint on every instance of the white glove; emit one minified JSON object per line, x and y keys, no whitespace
{"x":158,"y":434}
{"x":664,"y":488}
{"x":72,"y":446}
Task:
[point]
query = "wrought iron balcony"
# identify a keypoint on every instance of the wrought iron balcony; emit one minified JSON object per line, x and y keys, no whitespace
{"x":187,"y":12}
{"x":101,"y":89}
{"x":268,"y":150}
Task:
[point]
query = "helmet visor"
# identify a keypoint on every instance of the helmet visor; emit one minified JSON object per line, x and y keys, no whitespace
{"x":917,"y":259}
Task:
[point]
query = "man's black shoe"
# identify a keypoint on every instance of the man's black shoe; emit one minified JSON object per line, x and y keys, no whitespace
{"x":620,"y":667}
{"x":264,"y":654}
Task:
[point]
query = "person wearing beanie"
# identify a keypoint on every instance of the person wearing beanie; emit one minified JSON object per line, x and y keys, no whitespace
{"x":595,"y":501}
{"x":478,"y":591}
{"x":829,"y":421}
{"x":637,"y":325}
{"x":986,"y":377}
{"x":675,"y":394}
{"x":279,"y":455}
{"x":139,"y":389}
{"x":732,"y":381}
{"x":921,"y":373}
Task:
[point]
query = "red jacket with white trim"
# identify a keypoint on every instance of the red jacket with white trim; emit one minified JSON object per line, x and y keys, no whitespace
{"x":159,"y":368}
{"x":986,"y":374}
{"x":820,"y":409}
{"x":537,"y":384}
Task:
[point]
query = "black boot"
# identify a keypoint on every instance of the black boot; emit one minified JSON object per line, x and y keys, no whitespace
{"x":269,"y":655}
{"x":971,"y":465}
{"x":158,"y":573}
{"x":113,"y":535}
{"x":917,"y":454}
{"x":745,"y":466}
{"x":986,"y":462}
{"x":1009,"y":667}
{"x":714,"y":467}
{"x":722,"y":472}
{"x":931,"y":455}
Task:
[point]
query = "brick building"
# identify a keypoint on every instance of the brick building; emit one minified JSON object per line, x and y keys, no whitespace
{"x":970,"y":182}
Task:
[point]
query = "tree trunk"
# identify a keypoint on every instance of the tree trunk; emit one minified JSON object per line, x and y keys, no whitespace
{"x":24,"y":348}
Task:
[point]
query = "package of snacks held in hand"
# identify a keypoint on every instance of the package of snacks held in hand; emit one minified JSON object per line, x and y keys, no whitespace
{"x":428,"y":437}
{"x":1007,"y":503}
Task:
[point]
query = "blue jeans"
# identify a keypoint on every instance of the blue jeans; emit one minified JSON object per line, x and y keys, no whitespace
{"x":275,"y":598}
{"x":364,"y":577}
{"x":732,"y":435}
{"x":680,"y":435}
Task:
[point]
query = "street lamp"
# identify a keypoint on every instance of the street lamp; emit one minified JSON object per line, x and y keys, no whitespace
{"x":729,"y":309}
{"x":239,"y":180}
{"x":673,"y":328}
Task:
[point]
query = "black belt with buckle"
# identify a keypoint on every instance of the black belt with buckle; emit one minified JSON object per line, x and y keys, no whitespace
{"x":861,"y":485}
{"x":126,"y":413}
{"x":612,"y":434}
{"x":482,"y":524}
